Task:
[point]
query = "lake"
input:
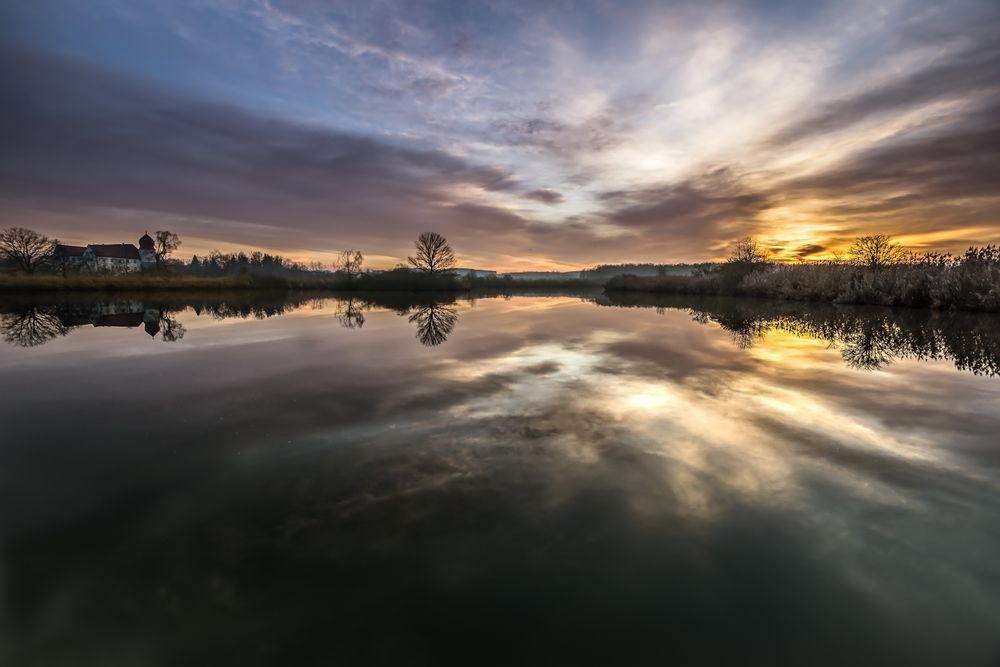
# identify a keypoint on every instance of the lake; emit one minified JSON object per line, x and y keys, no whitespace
{"x":548,"y":479}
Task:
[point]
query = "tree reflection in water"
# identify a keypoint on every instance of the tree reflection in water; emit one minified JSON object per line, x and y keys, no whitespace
{"x":435,"y":323}
{"x":434,"y":314}
{"x":31,"y":326}
{"x":869,"y":338}
{"x":351,"y":313}
{"x":27,"y":323}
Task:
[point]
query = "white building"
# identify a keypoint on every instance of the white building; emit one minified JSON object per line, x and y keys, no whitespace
{"x":109,"y":257}
{"x":474,"y":273}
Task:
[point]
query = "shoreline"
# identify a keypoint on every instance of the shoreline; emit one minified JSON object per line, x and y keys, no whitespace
{"x":384,"y":282}
{"x":637,"y":288}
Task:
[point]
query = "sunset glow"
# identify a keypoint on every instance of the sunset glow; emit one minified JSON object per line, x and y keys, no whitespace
{"x":533,"y":135}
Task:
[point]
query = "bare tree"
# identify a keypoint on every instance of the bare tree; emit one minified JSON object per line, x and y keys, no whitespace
{"x":166,"y":244}
{"x":434,"y":255}
{"x":350,"y":262}
{"x":876,"y":251}
{"x":748,"y":252}
{"x":26,"y":248}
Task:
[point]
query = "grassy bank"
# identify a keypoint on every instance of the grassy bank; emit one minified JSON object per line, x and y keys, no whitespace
{"x":138,"y":282}
{"x":968,"y":282}
{"x":388,"y":281}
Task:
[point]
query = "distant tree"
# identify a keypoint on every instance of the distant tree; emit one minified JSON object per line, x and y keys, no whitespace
{"x":434,"y":255}
{"x":350,"y":262}
{"x":748,"y":252}
{"x":26,"y":248}
{"x":166,"y":244}
{"x":195,"y":263}
{"x":876,"y":251}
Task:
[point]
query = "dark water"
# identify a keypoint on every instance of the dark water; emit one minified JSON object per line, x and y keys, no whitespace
{"x":559,"y":480}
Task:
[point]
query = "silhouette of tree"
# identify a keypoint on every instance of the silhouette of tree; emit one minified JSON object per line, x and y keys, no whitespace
{"x":434,"y":255}
{"x":350,"y":262}
{"x":748,"y":252}
{"x":166,"y":244}
{"x":31,"y":327}
{"x":876,"y":251}
{"x":435,"y":322}
{"x":26,"y":248}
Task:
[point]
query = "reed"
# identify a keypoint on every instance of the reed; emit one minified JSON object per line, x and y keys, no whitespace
{"x":970,"y":281}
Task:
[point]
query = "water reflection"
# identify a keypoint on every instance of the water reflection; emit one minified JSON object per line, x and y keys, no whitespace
{"x":869,"y":338}
{"x":434,"y":322}
{"x":29,"y":324}
{"x":26,"y":322}
{"x":590,"y":485}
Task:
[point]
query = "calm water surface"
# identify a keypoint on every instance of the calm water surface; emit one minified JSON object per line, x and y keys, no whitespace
{"x":545,"y":480}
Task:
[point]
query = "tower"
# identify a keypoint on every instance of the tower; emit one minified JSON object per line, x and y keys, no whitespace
{"x":147,"y":251}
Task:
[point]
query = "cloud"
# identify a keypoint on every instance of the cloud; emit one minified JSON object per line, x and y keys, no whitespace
{"x":90,"y":138}
{"x":706,"y":209}
{"x":360,"y":126}
{"x":545,"y":195}
{"x":940,"y":179}
{"x":808,"y":250}
{"x":954,"y":76}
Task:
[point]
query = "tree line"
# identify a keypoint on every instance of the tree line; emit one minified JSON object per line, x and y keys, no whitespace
{"x":876,"y":270}
{"x":30,"y":251}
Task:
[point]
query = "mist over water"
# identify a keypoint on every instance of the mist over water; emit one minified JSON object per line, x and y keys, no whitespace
{"x":561,"y":479}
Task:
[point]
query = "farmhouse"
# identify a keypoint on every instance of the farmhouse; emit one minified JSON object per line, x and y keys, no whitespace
{"x":109,"y":257}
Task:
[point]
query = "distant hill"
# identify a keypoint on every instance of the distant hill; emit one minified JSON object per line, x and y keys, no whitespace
{"x":544,"y":275}
{"x":605,"y":272}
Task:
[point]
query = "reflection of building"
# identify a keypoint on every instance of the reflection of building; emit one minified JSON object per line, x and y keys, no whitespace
{"x":124,"y":313}
{"x":151,"y":321}
{"x":110,"y":257}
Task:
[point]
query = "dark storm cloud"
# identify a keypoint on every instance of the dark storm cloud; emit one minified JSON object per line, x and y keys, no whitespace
{"x":87,"y":137}
{"x":545,"y":196}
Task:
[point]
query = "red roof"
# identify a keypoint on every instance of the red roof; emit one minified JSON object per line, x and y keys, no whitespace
{"x":69,"y":250}
{"x":118,"y":250}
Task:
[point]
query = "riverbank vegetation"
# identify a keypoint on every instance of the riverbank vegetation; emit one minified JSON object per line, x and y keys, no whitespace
{"x":876,"y":272}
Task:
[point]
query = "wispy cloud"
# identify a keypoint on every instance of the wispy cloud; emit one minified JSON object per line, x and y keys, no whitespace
{"x":610,"y":132}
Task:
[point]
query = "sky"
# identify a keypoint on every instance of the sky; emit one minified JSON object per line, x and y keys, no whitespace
{"x":534,"y":135}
